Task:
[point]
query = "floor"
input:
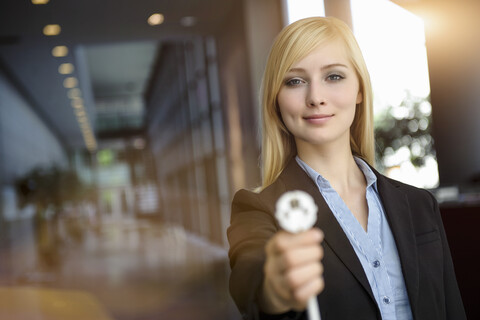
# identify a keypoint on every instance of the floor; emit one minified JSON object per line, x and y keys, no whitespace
{"x":119,"y":268}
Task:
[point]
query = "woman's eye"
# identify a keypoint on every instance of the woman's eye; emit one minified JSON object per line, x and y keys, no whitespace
{"x":335,"y":77}
{"x":293,"y":82}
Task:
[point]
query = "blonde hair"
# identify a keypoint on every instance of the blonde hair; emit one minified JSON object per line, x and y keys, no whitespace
{"x":294,"y":43}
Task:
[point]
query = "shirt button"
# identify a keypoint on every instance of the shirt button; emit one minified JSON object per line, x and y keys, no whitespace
{"x":386,"y":300}
{"x":376,"y":264}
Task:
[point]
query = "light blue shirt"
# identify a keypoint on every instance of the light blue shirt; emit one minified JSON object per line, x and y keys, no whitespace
{"x":375,"y":248}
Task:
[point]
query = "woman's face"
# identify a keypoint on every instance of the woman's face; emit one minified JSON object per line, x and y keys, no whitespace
{"x":318,"y":97}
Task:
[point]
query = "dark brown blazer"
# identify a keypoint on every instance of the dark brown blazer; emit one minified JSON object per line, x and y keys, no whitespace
{"x":414,"y":219}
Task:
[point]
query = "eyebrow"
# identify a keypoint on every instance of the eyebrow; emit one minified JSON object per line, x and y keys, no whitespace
{"x":328,"y":66}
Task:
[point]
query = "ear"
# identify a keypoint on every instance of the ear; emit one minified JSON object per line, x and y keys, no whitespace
{"x":359,"y":97}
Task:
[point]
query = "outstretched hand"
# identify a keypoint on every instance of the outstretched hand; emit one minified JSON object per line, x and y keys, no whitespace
{"x":293,"y":271}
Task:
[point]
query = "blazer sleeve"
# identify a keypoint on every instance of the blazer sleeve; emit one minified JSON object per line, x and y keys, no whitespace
{"x":453,"y":300}
{"x":252,"y":225}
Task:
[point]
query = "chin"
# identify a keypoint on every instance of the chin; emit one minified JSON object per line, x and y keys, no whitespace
{"x":319,"y":141}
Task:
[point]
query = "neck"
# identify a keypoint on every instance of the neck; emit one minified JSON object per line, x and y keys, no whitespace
{"x":336,"y":164}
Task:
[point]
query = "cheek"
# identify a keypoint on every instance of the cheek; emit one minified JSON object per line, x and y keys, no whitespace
{"x":345,"y":100}
{"x":287,"y":104}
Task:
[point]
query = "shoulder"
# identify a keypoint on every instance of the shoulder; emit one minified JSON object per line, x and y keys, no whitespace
{"x":253,"y":214}
{"x":263,"y":200}
{"x":408,"y":189}
{"x":417,"y":197}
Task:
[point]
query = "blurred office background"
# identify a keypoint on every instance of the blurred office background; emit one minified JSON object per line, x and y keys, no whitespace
{"x":127,"y":126}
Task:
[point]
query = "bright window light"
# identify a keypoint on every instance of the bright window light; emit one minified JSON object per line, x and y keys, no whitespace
{"x":392,"y":40}
{"x":393,"y":44}
{"x":299,"y":9}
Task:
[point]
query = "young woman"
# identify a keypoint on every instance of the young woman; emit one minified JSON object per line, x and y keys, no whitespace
{"x":378,"y":250}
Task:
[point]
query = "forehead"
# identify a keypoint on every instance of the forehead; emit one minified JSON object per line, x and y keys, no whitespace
{"x":331,"y":52}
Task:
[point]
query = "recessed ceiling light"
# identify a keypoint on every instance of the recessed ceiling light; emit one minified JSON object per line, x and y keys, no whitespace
{"x":188,"y":21}
{"x":52,"y":30}
{"x":81,"y":115}
{"x":70,"y":82}
{"x":60,"y":51}
{"x":66,"y":68}
{"x":85,"y":125}
{"x":77,"y":103}
{"x":74,"y":93}
{"x":156,"y":19}
{"x":40,"y":1}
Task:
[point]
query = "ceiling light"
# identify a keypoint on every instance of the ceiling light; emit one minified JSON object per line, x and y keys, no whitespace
{"x":81,"y":115}
{"x":77,"y":103}
{"x":188,"y":21}
{"x":85,"y":126}
{"x":74,"y":93}
{"x":82,"y":119}
{"x":60,"y":51}
{"x":66,"y":68}
{"x":88,"y":135}
{"x":155,"y":19}
{"x":52,"y":30}
{"x":70,"y":82}
{"x":86,"y":130}
{"x":40,"y":1}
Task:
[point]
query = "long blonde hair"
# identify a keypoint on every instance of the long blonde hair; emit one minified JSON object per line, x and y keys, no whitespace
{"x":294,"y":43}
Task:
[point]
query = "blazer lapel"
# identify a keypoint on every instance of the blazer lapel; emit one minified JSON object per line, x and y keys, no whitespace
{"x":296,"y":179}
{"x":399,"y":216}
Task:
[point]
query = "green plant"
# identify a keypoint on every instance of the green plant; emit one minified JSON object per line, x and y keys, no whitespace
{"x":50,"y":187}
{"x":406,"y":125}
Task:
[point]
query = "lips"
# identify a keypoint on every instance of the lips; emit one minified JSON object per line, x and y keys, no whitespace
{"x":318,"y":116}
{"x":318,"y":119}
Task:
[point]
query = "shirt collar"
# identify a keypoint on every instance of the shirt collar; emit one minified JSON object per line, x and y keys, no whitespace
{"x":323,"y":183}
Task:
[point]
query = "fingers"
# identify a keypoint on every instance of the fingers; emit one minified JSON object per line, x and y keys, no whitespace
{"x":290,"y":250}
{"x":300,"y":256}
{"x":285,"y":241}
{"x":303,"y":293}
{"x":299,"y":277}
{"x":293,"y":269}
{"x":304,"y":282}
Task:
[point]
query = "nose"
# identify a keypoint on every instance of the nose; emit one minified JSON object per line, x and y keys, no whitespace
{"x":315,"y":96}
